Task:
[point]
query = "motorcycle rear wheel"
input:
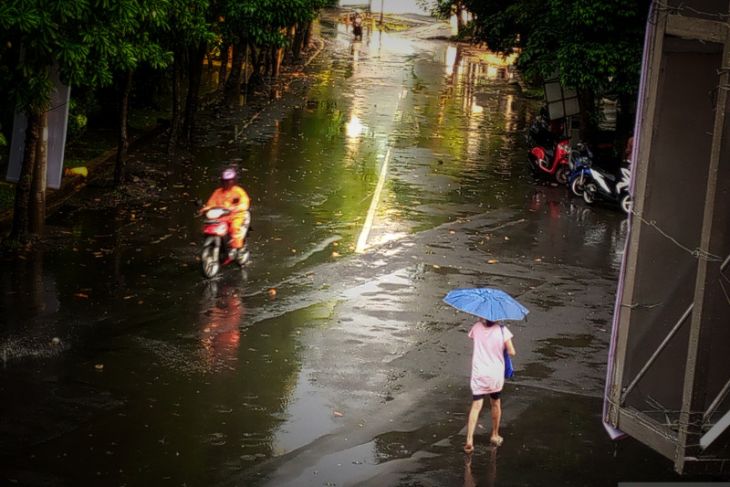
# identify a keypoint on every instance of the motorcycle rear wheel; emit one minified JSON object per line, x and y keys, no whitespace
{"x":589,"y":193}
{"x":210,"y":261}
{"x":562,"y":174}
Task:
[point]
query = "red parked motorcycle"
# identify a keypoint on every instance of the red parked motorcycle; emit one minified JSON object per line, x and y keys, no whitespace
{"x":550,"y":154}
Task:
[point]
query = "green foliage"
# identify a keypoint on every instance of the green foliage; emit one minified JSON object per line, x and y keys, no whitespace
{"x":263,"y":21}
{"x":87,"y":40}
{"x":77,"y":119}
{"x":595,"y":45}
{"x":441,"y":9}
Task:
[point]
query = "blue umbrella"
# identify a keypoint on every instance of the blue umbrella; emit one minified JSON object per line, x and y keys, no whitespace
{"x":487,"y":303}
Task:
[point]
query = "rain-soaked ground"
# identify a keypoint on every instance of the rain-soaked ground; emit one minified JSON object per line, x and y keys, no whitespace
{"x":395,"y":175}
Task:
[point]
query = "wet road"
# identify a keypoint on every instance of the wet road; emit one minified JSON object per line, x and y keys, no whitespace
{"x":394,"y":176}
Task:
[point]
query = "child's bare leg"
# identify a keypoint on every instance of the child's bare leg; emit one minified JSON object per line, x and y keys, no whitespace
{"x":471,"y":425}
{"x":496,"y":405}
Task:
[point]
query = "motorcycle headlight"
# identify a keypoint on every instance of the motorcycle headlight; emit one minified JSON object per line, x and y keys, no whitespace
{"x":213,"y":213}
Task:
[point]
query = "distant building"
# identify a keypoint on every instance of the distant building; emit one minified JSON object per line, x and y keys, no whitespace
{"x":387,"y":6}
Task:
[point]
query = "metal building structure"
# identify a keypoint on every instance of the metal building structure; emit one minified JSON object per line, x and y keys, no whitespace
{"x":668,"y":382}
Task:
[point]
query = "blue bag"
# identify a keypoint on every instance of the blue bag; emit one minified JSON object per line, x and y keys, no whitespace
{"x":508,"y":370}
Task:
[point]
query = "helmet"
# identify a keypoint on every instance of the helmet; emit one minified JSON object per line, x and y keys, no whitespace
{"x":228,"y":174}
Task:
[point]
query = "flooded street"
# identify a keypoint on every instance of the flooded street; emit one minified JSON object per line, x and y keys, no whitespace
{"x":396,"y":174}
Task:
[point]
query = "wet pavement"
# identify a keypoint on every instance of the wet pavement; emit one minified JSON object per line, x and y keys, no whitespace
{"x":396,"y":174}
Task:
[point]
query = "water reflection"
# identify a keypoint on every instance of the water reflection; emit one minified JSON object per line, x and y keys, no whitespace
{"x":221,"y":316}
{"x":490,"y":475}
{"x":28,"y":299}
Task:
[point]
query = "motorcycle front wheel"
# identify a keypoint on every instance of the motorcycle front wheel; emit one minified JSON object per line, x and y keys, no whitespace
{"x":577,"y":186}
{"x":627,"y":204}
{"x":243,"y":256}
{"x":209,"y":259}
{"x":589,"y":193}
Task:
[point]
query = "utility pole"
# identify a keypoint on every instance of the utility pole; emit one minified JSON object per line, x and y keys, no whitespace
{"x":381,"y":12}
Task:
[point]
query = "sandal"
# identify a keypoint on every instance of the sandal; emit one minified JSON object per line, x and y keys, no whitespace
{"x":468,"y":448}
{"x":496,"y":440}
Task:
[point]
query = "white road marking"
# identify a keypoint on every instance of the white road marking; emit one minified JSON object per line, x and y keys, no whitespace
{"x":363,"y":239}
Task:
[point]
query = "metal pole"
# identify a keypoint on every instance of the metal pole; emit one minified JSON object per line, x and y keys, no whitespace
{"x":381,"y":12}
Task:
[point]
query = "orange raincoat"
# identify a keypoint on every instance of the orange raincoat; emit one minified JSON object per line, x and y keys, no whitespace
{"x":236,"y":200}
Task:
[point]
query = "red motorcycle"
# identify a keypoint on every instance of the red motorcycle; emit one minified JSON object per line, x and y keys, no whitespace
{"x":550,"y":154}
{"x":216,"y":246}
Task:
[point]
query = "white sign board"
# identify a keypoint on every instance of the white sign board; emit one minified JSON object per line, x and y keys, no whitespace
{"x":57,"y":124}
{"x":561,"y":101}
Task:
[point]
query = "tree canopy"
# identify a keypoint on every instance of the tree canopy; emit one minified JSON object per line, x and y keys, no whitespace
{"x":593,"y":45}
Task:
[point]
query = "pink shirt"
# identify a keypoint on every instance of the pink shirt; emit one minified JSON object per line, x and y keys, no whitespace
{"x":487,"y":364}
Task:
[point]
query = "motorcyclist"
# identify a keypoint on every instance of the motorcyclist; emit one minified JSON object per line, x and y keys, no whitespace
{"x":357,"y":25}
{"x":234,"y":198}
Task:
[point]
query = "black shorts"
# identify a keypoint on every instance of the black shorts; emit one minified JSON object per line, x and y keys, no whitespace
{"x":494,"y":395}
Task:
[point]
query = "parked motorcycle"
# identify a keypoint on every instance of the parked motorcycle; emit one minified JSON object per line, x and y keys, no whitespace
{"x":217,"y":252}
{"x":550,"y":154}
{"x":602,"y":185}
{"x":581,"y":160}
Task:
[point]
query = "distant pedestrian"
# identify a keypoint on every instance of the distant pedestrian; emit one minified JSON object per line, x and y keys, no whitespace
{"x":487,"y":375}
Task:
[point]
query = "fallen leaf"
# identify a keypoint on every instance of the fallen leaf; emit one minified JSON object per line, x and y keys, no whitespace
{"x":492,"y":261}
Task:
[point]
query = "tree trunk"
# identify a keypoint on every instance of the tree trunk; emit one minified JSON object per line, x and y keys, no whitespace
{"x":298,"y":41}
{"x":175,"y":122}
{"x":267,"y":51}
{"x":587,"y":115}
{"x":277,"y":55}
{"x":40,"y":178}
{"x":307,"y":35}
{"x":120,"y":169}
{"x":257,"y":58}
{"x":246,"y":63}
{"x":460,"y":24}
{"x":223,"y":71}
{"x":21,"y":209}
{"x":233,"y":85}
{"x":195,"y":60}
{"x":291,"y":32}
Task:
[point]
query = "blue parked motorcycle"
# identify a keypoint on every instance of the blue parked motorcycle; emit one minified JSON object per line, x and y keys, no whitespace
{"x":581,"y":159}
